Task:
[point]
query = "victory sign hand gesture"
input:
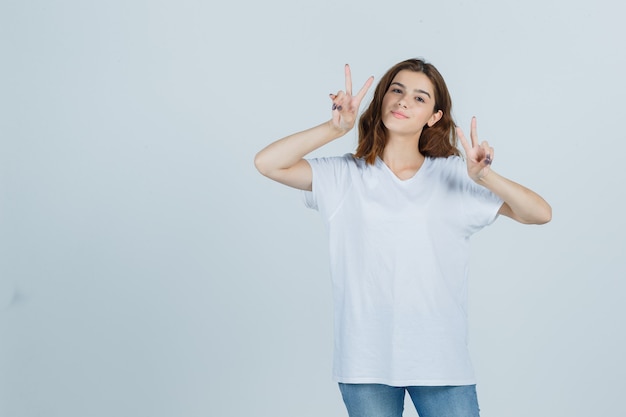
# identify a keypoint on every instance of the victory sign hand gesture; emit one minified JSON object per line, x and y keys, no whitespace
{"x":478,"y":156}
{"x":345,"y":105}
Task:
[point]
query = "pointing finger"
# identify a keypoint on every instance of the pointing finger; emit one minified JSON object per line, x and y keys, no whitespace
{"x":473,"y":132}
{"x":463,"y":140}
{"x":364,"y":89}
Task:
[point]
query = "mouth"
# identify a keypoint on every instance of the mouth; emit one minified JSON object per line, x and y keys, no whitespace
{"x":399,"y":115}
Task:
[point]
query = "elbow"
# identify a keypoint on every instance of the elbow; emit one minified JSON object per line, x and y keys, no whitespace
{"x":544,"y":216}
{"x":548,"y":216}
{"x":540,"y":215}
{"x":260,"y":164}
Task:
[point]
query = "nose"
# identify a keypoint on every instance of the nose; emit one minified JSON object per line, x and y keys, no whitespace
{"x":402,"y":103}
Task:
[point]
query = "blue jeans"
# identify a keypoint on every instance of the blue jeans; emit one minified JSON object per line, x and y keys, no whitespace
{"x":377,"y":400}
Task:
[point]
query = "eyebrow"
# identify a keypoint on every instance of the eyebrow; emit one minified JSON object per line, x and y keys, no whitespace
{"x":416,"y":90}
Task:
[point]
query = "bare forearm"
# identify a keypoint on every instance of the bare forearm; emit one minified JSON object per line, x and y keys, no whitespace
{"x":521,"y":204}
{"x":288,"y":151}
{"x":283,"y":160}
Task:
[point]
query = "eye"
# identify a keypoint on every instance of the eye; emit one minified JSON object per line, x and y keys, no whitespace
{"x":396,"y":90}
{"x":420,"y":99}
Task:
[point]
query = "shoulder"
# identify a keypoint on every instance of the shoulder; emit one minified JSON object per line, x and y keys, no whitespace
{"x":450,"y":163}
{"x":450,"y":167}
{"x":347,"y":161}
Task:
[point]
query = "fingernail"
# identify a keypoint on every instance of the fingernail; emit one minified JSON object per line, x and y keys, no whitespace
{"x":334,"y":106}
{"x":339,"y":108}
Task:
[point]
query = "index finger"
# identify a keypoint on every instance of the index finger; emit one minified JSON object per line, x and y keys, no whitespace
{"x":348,"y":80}
{"x":364,"y":89}
{"x":474,"y":132}
{"x":463,"y":140}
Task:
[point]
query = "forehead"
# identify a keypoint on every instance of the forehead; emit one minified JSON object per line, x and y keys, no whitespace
{"x":414,"y":80}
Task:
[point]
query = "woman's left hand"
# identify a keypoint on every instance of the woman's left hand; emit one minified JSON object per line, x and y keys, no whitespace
{"x":478,"y":156}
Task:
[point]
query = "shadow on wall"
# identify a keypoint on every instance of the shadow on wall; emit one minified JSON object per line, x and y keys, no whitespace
{"x":11,"y":296}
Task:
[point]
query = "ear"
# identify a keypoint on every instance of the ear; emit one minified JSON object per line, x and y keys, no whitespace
{"x":435,"y":118}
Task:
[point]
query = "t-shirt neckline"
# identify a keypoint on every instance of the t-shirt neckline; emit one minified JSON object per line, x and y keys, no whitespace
{"x":399,"y":180}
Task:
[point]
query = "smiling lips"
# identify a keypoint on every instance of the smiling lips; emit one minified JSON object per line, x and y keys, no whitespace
{"x":399,"y":115}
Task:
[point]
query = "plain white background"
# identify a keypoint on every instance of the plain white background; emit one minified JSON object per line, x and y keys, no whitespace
{"x":147,"y":269}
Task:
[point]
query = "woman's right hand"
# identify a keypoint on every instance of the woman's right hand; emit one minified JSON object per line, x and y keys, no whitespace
{"x":345,"y":105}
{"x":283,"y":160}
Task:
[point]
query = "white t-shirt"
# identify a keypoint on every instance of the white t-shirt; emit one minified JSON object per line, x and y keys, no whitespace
{"x":399,"y":253}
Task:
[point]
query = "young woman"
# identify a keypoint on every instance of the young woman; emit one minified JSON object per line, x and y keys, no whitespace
{"x":399,"y":214}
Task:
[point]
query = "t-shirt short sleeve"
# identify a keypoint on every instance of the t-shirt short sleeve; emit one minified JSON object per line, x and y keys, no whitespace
{"x":330,"y":182}
{"x":480,"y":205}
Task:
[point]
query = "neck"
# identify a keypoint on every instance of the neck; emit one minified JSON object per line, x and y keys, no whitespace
{"x":402,"y":151}
{"x":403,"y":157}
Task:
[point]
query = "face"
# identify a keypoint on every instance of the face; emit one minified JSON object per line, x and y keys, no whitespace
{"x":409,"y":104}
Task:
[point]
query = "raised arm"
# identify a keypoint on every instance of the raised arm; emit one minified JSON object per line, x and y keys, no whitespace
{"x":520,"y":203}
{"x":283,"y":160}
